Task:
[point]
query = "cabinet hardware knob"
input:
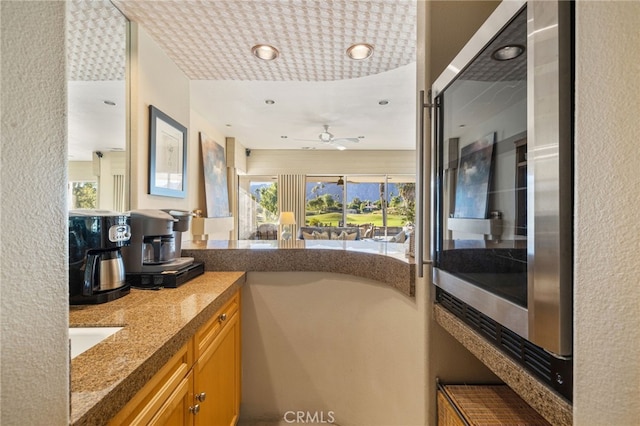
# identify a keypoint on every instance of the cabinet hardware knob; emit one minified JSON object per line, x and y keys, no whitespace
{"x":195,"y":409}
{"x":223,"y":317}
{"x":201,"y":396}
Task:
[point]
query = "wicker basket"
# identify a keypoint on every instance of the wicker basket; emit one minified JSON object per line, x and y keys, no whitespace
{"x":484,"y":406}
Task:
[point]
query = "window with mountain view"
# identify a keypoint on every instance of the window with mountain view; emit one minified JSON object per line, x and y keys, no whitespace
{"x":358,"y":200}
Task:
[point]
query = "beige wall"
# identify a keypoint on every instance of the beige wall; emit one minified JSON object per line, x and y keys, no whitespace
{"x":81,"y":171}
{"x":607,"y":261}
{"x":157,"y":81}
{"x":33,"y":264}
{"x":453,"y":25}
{"x":331,"y":342}
{"x":273,"y":162}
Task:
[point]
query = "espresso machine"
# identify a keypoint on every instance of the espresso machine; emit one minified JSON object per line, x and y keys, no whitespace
{"x":153,"y":259}
{"x":96,"y":267}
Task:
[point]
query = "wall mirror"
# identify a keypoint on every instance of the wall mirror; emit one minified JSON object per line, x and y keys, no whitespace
{"x":97,"y":105}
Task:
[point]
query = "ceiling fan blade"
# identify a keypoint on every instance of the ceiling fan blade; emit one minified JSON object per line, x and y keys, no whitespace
{"x":338,"y":146}
{"x":349,"y":140}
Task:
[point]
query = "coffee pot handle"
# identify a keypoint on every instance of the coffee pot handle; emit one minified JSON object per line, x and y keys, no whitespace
{"x":93,"y":261}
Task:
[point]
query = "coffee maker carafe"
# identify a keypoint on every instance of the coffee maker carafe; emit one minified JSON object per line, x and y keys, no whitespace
{"x":96,"y":268}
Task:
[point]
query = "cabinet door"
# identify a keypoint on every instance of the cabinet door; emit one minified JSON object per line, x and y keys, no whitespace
{"x":217,"y":375}
{"x":144,"y":406}
{"x":178,"y":409}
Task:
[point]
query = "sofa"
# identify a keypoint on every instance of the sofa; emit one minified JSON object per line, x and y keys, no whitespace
{"x":328,"y":233}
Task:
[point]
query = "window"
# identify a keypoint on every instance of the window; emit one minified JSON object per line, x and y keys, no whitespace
{"x":82,"y":195}
{"x":377,"y":202}
{"x":257,"y":207}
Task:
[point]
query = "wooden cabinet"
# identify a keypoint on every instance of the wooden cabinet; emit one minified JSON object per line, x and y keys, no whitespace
{"x":200,"y":385}
{"x":218,"y":370}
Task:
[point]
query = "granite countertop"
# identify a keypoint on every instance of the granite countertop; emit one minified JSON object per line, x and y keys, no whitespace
{"x":157,"y":323}
{"x":377,"y":260}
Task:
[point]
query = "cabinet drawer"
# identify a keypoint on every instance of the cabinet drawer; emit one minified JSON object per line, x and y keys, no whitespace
{"x":149,"y":400}
{"x":207,"y":333}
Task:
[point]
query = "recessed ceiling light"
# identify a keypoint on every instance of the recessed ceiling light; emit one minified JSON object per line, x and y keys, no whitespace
{"x":506,"y":53}
{"x":228,"y":125}
{"x":269,"y":102}
{"x":108,"y":102}
{"x":383,"y":102}
{"x":360,"y":51}
{"x":265,"y":52}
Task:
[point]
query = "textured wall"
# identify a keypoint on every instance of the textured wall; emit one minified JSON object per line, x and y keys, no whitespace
{"x":607,"y":272}
{"x":35,"y":349}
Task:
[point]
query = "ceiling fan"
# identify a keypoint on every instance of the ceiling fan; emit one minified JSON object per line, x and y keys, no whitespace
{"x":327,"y":138}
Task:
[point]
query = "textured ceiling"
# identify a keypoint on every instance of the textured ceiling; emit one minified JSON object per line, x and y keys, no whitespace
{"x":96,"y":41}
{"x":485,"y":68}
{"x":212,"y":40}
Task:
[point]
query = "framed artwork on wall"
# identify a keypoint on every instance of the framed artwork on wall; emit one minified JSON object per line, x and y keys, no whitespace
{"x":474,"y":178}
{"x":215,"y":177}
{"x":167,"y":155}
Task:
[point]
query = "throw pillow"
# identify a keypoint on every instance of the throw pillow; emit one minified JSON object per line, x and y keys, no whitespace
{"x":336,"y":236}
{"x":308,"y":236}
{"x":320,"y":235}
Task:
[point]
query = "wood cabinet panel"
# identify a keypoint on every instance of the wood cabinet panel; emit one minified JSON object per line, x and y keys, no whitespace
{"x":146,"y":403}
{"x":218,"y":376}
{"x":176,"y":411}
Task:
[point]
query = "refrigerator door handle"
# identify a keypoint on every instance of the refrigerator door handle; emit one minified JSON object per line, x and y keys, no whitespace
{"x":420,"y":183}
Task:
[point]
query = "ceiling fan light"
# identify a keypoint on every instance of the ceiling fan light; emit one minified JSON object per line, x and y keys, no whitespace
{"x":265,"y":52}
{"x":360,"y":51}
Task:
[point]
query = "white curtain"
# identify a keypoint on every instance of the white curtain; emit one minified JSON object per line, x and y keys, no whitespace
{"x":291,"y":198}
{"x":118,"y":193}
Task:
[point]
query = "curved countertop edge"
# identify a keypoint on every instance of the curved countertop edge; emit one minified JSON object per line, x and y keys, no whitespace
{"x":378,"y":261}
{"x":555,"y":409}
{"x":107,"y":376}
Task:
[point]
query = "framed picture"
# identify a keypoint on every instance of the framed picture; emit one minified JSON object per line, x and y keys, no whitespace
{"x":167,"y":155}
{"x":215,"y":177}
{"x":474,"y":178}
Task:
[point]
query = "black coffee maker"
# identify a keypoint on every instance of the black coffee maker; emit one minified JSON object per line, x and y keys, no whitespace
{"x":96,"y":268}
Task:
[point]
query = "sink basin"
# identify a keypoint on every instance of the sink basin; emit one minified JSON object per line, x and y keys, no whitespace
{"x":84,"y":338}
